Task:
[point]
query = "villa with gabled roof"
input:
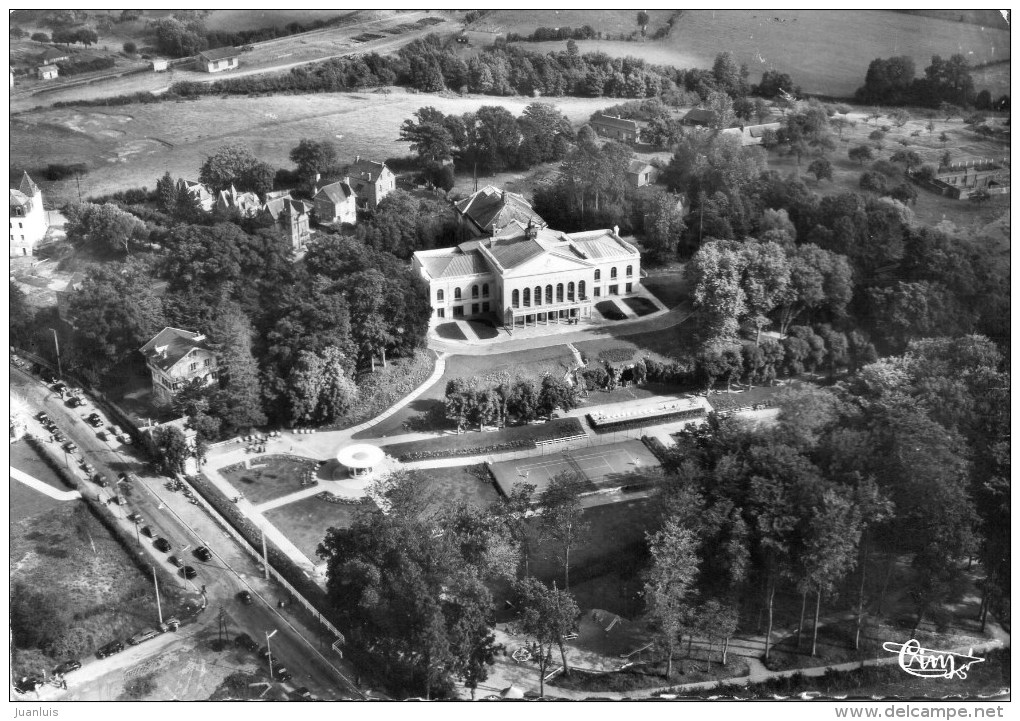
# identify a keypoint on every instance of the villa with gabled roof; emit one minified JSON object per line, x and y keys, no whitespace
{"x":176,"y":357}
{"x":529,"y":275}
{"x":28,"y":219}
{"x":490,"y":211}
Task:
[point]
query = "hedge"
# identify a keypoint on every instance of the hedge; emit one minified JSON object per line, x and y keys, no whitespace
{"x":657,"y":447}
{"x":624,"y":424}
{"x":473,"y":451}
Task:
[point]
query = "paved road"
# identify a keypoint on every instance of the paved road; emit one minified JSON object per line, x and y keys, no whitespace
{"x":186,"y":526}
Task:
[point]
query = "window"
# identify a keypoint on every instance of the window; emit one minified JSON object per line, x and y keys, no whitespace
{"x":598,"y":292}
{"x":208,"y":362}
{"x":538,"y":295}
{"x":559,"y":292}
{"x":485,"y":290}
{"x":474,"y":309}
{"x":441,"y":313}
{"x":580,"y":290}
{"x":439,"y":295}
{"x":485,"y":307}
{"x":614,"y":290}
{"x":458,"y":311}
{"x":612,"y":273}
{"x":570,"y":291}
{"x":630,"y":271}
{"x":630,"y":287}
{"x":515,"y":299}
{"x":527,"y":297}
{"x":598,"y":274}
{"x":474,"y":291}
{"x":548,"y":294}
{"x":456,"y":293}
{"x":20,"y":225}
{"x":193,"y":367}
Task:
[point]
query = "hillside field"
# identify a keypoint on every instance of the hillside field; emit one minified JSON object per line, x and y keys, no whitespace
{"x":605,"y":21}
{"x":824,"y":51}
{"x":132,"y":146}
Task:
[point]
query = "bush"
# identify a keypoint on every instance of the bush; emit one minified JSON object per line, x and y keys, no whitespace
{"x":41,"y":37}
{"x":130,"y":48}
{"x":873,"y":181}
{"x":628,"y":423}
{"x":77,"y":67}
{"x":460,"y":452}
{"x":59,"y":171}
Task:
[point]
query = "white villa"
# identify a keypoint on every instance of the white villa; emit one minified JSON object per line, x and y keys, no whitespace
{"x":28,"y":221}
{"x":529,"y":275}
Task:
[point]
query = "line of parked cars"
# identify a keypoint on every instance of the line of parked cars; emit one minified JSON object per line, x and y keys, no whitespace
{"x":171,"y":624}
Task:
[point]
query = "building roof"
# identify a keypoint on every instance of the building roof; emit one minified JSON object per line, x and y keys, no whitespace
{"x":636,"y":167}
{"x":276,"y":206}
{"x":614,"y":121}
{"x":48,"y":68}
{"x":246,"y":203}
{"x":171,"y":345}
{"x":454,"y":263}
{"x":700,"y":115}
{"x":19,"y":199}
{"x":28,"y":186}
{"x":337,"y":192}
{"x":219,"y":54}
{"x":492,"y":210}
{"x":602,"y":245}
{"x":50,"y":55}
{"x":366,"y":170}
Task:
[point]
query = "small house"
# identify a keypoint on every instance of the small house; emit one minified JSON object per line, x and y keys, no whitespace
{"x":291,"y":217}
{"x":176,"y":357}
{"x":160,"y":66}
{"x":52,"y":56}
{"x":371,"y":182}
{"x":336,"y":203}
{"x":200,"y":193}
{"x":48,"y":72}
{"x":617,"y":128}
{"x":218,"y":60}
{"x":640,"y":173}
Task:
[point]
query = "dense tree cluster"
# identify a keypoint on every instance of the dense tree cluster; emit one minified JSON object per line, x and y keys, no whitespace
{"x":893,"y":81}
{"x":519,"y":400}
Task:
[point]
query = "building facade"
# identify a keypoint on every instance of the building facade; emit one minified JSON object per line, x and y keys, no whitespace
{"x":48,"y":72}
{"x":218,"y":60}
{"x":640,"y":173}
{"x":291,"y":217}
{"x":336,"y":203}
{"x":176,"y":357}
{"x":28,"y":221}
{"x":529,"y":276}
{"x":371,"y":182}
{"x":611,"y":126}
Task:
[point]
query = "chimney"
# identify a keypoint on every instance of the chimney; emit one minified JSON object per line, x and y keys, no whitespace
{"x":531,"y":232}
{"x":503,"y":195}
{"x":616,"y":230}
{"x":357,"y":158}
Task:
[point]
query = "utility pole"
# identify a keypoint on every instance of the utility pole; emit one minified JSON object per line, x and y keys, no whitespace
{"x":77,"y":180}
{"x":265,"y":556}
{"x":159,"y":607}
{"x":56,"y":344}
{"x":269,"y":651}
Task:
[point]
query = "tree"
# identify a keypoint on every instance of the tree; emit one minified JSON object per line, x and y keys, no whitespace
{"x":642,"y":20}
{"x":103,"y":227}
{"x":821,"y":168}
{"x":899,"y":117}
{"x":171,"y":449}
{"x":130,"y":48}
{"x":556,"y":393}
{"x":548,"y":615}
{"x":765,"y":280}
{"x":562,"y":518}
{"x":715,"y":274}
{"x":314,"y":159}
{"x":907,"y":157}
{"x":228,"y":166}
{"x":511,"y":512}
{"x":238,"y":404}
{"x":718,"y":620}
{"x":860,"y":153}
{"x":669,"y":588}
{"x":664,"y":225}
{"x":873,"y":181}
{"x":322,"y":388}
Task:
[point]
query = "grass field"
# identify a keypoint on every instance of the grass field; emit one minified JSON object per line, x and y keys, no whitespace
{"x":559,"y":428}
{"x":448,"y":487}
{"x":605,"y":21}
{"x":305,"y":522}
{"x":824,"y":51}
{"x":661,"y":345}
{"x":25,"y":458}
{"x":269,"y":477}
{"x":132,"y":146}
{"x":238,"y":20}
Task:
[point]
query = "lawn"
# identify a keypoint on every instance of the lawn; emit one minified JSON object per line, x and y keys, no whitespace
{"x":238,"y":20}
{"x":661,"y":345}
{"x":604,"y":21}
{"x":669,"y":288}
{"x":26,"y":502}
{"x":641,"y":306}
{"x":305,"y":522}
{"x":269,"y":477}
{"x":610,"y":311}
{"x":68,"y":554}
{"x":529,"y":363}
{"x":450,"y":331}
{"x":466,"y":443}
{"x":132,"y":146}
{"x":25,"y":458}
{"x":725,"y":401}
{"x":448,"y":487}
{"x":824,"y":51}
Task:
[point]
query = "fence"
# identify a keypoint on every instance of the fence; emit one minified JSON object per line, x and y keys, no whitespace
{"x":556,"y":441}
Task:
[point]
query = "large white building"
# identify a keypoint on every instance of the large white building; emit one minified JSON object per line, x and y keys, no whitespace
{"x":27,"y":219}
{"x":529,"y":275}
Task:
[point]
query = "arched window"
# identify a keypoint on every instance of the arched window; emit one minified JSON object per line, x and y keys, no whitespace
{"x":456,"y":293}
{"x":527,"y":297}
{"x":570,"y":291}
{"x":485,"y":290}
{"x":559,"y":292}
{"x":612,"y":273}
{"x":630,"y":271}
{"x":439,"y":295}
{"x":515,"y":299}
{"x":580,"y":290}
{"x":474,"y":291}
{"x":598,"y":274}
{"x":548,"y":294}
{"x":538,"y":295}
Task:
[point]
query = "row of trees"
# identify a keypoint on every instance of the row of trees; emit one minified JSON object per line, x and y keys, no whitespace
{"x":511,"y":400}
{"x":892,"y":81}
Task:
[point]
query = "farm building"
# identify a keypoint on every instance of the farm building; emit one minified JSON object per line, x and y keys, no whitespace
{"x":960,"y":180}
{"x":336,"y":203}
{"x":371,"y":182}
{"x":611,"y":126}
{"x":52,"y":56}
{"x":700,"y":117}
{"x":28,"y":222}
{"x":291,"y":217}
{"x":47,"y":72}
{"x":751,"y":134}
{"x":529,"y":275}
{"x":218,"y":60}
{"x":490,"y":210}
{"x":175,"y":357}
{"x":640,"y":173}
{"x":160,"y":66}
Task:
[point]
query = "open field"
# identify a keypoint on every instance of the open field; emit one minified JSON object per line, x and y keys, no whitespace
{"x":473,"y":440}
{"x":824,"y":51}
{"x":250,"y":19}
{"x":604,"y":21}
{"x":305,"y":522}
{"x":669,"y":288}
{"x":132,"y":146}
{"x":448,"y":487}
{"x":661,"y":345}
{"x":25,"y":458}
{"x":269,"y":477}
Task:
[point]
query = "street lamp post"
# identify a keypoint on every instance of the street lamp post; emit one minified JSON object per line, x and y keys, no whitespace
{"x":269,"y":652}
{"x":56,"y":345}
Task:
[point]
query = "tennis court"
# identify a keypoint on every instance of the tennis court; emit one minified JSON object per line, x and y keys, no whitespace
{"x":597,"y":466}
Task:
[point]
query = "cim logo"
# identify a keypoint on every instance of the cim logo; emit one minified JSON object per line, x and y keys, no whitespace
{"x":929,"y":663}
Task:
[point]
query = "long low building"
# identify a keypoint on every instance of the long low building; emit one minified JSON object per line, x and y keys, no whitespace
{"x":529,"y":275}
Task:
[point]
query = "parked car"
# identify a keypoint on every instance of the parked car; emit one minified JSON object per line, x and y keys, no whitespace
{"x":115,"y":430}
{"x":282,"y":674}
{"x":143,"y":636}
{"x":245,"y":597}
{"x":41,"y":416}
{"x":189,"y":572}
{"x":100,"y":480}
{"x":203,"y":554}
{"x":27,"y":684}
{"x":109,"y":649}
{"x":135,"y":518}
{"x":145,"y":531}
{"x":303,"y":694}
{"x":161,"y":544}
{"x":75,"y":401}
{"x":174,"y":560}
{"x":66,"y":667}
{"x":125,"y":439}
{"x":246,"y":642}
{"x":94,"y":420}
{"x":102,"y":435}
{"x":171,"y":624}
{"x":60,"y":386}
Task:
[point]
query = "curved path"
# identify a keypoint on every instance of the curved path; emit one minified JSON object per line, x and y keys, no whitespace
{"x":44,"y":488}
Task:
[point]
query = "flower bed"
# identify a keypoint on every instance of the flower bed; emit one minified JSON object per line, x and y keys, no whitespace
{"x":459,"y":452}
{"x":609,"y":310}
